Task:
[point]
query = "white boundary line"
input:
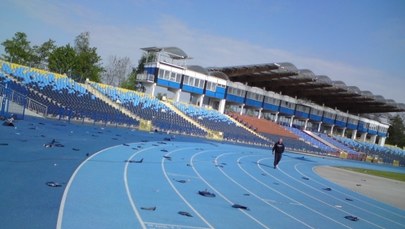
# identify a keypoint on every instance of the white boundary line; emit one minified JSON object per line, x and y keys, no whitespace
{"x":65,"y":193}
{"x":177,"y":191}
{"x":219,"y":193}
{"x":165,"y":225}
{"x":265,"y":185}
{"x":312,"y":197}
{"x":258,"y":197}
{"x":340,"y":200}
{"x":131,"y":201}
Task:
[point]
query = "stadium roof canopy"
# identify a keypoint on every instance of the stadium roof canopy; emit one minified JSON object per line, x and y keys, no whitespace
{"x":286,"y":79}
{"x":173,"y":52}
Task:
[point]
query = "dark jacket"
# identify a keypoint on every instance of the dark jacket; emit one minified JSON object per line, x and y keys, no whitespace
{"x":278,"y":147}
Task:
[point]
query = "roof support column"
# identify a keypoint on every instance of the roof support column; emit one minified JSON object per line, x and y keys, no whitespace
{"x":331,"y":129}
{"x":306,"y":124}
{"x":373,"y":138}
{"x":221,"y":106}
{"x":354,"y":134}
{"x":276,"y":117}
{"x":381,"y":141}
{"x":152,"y":89}
{"x":291,"y":120}
{"x":363,"y":137}
{"x":200,"y":100}
{"x":343,"y":132}
{"x":241,"y":109}
{"x":177,"y":95}
{"x":319,"y":126}
{"x":259,"y":116}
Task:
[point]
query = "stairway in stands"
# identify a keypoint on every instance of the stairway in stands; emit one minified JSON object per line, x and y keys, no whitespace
{"x":211,"y":134}
{"x":107,"y":100}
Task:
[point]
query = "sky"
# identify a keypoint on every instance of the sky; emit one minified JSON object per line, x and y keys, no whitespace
{"x":361,"y":43}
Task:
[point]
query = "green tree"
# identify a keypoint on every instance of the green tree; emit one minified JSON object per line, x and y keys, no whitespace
{"x":396,"y":132}
{"x":131,"y":81}
{"x":63,"y":60}
{"x":42,"y":53}
{"x":18,"y":49}
{"x":87,"y":60}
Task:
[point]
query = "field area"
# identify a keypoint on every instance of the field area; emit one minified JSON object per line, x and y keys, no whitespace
{"x":386,"y":190}
{"x":386,"y":174}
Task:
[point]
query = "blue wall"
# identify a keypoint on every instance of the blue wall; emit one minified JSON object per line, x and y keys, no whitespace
{"x":271,"y":107}
{"x":301,"y":114}
{"x":219,"y":93}
{"x":194,"y":90}
{"x":285,"y":110}
{"x":340,"y":123}
{"x":234,"y":98}
{"x":315,"y":117}
{"x":254,"y":103}
{"x":362,"y":127}
{"x":328,"y":120}
{"x":167,"y":83}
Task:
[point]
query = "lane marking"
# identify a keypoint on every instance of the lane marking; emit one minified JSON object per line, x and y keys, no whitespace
{"x":177,"y":191}
{"x":171,"y":226}
{"x":182,"y":175}
{"x":219,"y":193}
{"x":66,"y":191}
{"x":312,"y":197}
{"x":258,"y":197}
{"x":345,"y":194}
{"x":253,"y":177}
{"x":131,"y":200}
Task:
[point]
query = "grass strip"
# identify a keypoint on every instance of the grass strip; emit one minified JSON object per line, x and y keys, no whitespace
{"x":379,"y":173}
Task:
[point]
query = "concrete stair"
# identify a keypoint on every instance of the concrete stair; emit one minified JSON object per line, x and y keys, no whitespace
{"x":321,"y":139}
{"x":211,"y":133}
{"x":107,"y":100}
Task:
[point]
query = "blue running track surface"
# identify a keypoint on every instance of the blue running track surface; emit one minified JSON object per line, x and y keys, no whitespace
{"x":108,"y":177}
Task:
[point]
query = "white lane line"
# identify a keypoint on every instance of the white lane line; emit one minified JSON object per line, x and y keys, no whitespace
{"x":65,"y":193}
{"x":177,"y":191}
{"x":182,"y":175}
{"x":164,"y":225}
{"x":345,"y":194}
{"x":131,"y":200}
{"x":219,"y":193}
{"x":312,"y":197}
{"x":254,"y":194}
{"x":274,"y":190}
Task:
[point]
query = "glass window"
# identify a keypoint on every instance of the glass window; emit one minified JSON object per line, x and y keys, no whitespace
{"x":173,"y":76}
{"x":161,"y":73}
{"x":209,"y":86}
{"x":167,"y":75}
{"x":185,"y":80}
{"x":178,"y":78}
{"x":201,"y":85}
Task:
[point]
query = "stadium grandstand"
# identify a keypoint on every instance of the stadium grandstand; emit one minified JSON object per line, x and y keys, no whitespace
{"x":251,"y":104}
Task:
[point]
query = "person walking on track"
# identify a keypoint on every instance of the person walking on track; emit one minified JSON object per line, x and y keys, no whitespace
{"x":278,"y":150}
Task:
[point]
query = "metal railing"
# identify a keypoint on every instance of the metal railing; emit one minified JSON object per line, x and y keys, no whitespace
{"x":22,"y":100}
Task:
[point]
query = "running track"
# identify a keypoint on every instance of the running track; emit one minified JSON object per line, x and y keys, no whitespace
{"x":107,"y":192}
{"x":101,"y":190}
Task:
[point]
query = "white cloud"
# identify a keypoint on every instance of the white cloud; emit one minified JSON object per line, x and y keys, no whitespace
{"x":206,"y":49}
